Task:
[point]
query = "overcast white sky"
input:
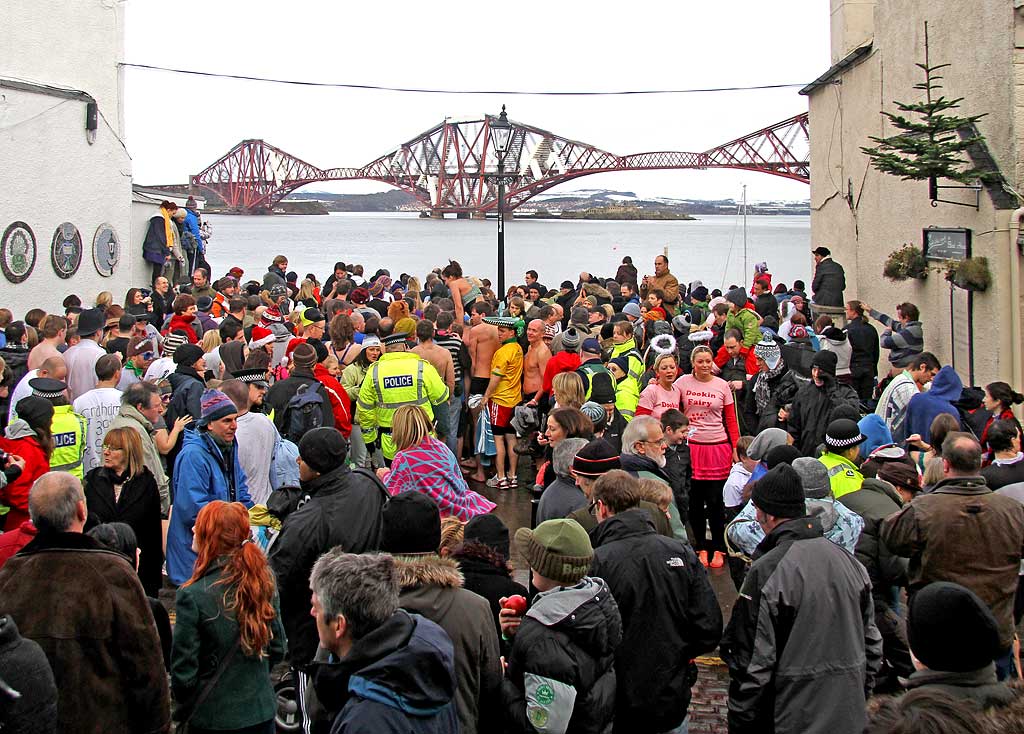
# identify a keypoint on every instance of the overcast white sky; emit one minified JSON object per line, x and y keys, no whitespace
{"x":552,"y":45}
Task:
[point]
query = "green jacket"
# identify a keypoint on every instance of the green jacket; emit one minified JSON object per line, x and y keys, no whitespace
{"x":748,"y":324}
{"x":203,"y":634}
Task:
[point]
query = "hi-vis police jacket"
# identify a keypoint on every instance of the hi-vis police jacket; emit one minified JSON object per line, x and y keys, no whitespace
{"x":394,"y":380}
{"x":69,"y":429}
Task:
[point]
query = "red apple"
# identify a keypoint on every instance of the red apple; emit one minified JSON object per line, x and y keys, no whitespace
{"x":516,"y":603}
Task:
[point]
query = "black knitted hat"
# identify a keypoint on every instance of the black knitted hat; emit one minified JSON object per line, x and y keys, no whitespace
{"x":950,"y":628}
{"x":781,"y":455}
{"x":780,"y":492}
{"x":826,"y":361}
{"x":188,"y":354}
{"x":411,"y":525}
{"x":323,"y":449}
{"x":489,"y":530}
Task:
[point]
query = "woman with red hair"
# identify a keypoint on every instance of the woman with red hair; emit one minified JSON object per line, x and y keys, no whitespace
{"x":228,"y":633}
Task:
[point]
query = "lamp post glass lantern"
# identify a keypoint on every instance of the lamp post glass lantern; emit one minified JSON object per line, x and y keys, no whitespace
{"x":501,"y":135}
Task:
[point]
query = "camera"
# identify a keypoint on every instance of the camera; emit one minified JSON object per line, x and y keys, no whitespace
{"x":146,"y":292}
{"x":4,"y":458}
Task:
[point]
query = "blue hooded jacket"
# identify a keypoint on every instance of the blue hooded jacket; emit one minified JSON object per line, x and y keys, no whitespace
{"x":923,"y":407}
{"x":876,"y":434}
{"x":192,"y":225}
{"x":200,"y":477}
{"x":399,"y":677}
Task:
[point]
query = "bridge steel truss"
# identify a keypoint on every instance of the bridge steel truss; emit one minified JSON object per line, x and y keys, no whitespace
{"x":451,"y":168}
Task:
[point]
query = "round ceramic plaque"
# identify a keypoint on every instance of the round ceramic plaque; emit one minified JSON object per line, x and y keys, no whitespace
{"x":106,"y":250}
{"x":66,"y":250}
{"x":17,"y":252}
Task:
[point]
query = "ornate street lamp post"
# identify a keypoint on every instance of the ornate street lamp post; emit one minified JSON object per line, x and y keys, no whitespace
{"x":501,"y":136}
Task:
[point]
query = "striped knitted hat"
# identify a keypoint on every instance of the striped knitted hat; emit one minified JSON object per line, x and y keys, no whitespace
{"x":559,"y":550}
{"x":172,"y":341}
{"x":595,"y":459}
{"x":215,"y":405}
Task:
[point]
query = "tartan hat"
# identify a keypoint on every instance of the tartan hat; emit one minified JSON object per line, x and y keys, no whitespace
{"x":47,"y":387}
{"x":507,"y":322}
{"x":393,"y":339}
{"x":251,"y":377}
{"x":843,"y":433}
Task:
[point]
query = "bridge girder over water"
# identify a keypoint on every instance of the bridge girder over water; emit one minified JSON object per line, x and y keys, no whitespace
{"x":451,"y":168}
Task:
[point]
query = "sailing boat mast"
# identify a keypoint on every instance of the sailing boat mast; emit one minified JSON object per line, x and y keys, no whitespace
{"x":746,"y":268}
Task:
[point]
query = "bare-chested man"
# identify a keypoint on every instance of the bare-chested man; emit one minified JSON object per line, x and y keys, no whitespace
{"x":482,"y":342}
{"x":536,"y":361}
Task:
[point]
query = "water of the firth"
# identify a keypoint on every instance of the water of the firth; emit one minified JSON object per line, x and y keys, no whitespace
{"x":709,"y":249}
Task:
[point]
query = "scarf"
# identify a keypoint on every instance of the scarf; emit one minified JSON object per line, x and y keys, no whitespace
{"x":169,"y":228}
{"x":762,"y":391}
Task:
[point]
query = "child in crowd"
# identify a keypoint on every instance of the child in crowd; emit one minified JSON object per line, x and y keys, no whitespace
{"x":733,"y":492}
{"x":560,"y":672}
{"x":676,"y":426}
{"x":658,"y":493}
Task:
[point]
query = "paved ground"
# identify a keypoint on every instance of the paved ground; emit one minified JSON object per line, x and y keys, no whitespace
{"x":708,"y":707}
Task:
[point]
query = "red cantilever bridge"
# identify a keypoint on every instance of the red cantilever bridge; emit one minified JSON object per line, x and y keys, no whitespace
{"x":451,"y":167}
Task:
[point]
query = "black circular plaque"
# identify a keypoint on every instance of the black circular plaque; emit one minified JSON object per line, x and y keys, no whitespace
{"x":18,"y":252}
{"x":106,"y":250}
{"x":66,"y":250}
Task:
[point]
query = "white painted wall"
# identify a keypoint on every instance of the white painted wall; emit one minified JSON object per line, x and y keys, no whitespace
{"x":50,"y":173}
{"x":863,"y":215}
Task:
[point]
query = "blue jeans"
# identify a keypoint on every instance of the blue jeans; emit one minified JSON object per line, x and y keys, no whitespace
{"x":454,"y":414}
{"x":357,"y":448}
{"x":1005,"y":666}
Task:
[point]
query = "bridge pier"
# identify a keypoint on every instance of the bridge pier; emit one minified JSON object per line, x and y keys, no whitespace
{"x":435,"y":214}
{"x":478,"y":215}
{"x":463,"y":215}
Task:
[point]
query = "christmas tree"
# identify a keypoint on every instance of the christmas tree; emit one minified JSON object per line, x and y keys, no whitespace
{"x":930,"y":146}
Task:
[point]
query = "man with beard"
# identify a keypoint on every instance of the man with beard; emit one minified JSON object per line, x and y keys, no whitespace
{"x":255,"y":436}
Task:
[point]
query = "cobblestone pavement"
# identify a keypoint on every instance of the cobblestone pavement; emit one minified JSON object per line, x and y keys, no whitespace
{"x":710,"y":693}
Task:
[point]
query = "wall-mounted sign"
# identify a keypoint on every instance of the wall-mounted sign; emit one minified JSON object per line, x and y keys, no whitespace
{"x":66,"y":250}
{"x":18,"y":252}
{"x":106,"y":250}
{"x":946,"y":244}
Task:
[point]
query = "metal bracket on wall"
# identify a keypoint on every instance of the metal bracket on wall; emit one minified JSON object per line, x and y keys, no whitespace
{"x":933,"y":194}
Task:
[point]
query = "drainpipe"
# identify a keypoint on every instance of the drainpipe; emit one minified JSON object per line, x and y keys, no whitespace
{"x":1015,"y":317}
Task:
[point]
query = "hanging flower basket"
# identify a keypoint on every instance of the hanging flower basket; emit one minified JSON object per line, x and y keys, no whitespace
{"x":906,"y":262}
{"x":972,"y":274}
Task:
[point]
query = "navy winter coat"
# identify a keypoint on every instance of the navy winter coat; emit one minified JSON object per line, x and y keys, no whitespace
{"x":398,"y":678}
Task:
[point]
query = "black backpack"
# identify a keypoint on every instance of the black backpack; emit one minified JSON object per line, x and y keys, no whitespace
{"x":305,"y":411}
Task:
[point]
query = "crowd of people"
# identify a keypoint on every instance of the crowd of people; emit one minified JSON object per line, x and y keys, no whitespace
{"x":313,"y":468}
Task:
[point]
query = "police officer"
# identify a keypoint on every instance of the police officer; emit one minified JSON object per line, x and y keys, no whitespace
{"x":398,"y":378}
{"x":256,"y":379}
{"x":842,"y":446}
{"x":598,"y":383}
{"x":68,"y":427}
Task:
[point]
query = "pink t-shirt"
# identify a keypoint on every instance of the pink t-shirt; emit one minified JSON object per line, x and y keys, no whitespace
{"x":703,"y":404}
{"x":657,"y":399}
